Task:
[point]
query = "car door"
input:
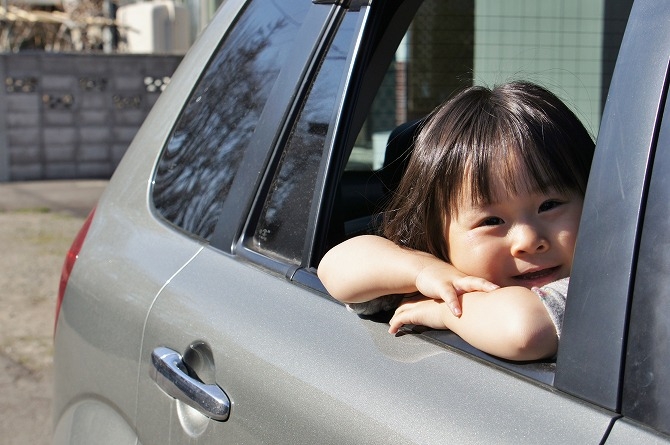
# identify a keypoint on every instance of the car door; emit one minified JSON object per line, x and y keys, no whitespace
{"x":218,"y":145}
{"x":243,"y":345}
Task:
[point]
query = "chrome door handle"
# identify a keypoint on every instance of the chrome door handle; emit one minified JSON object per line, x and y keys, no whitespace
{"x":169,"y":372}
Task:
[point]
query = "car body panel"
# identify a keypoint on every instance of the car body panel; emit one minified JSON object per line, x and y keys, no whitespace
{"x":374,"y":387}
{"x":123,"y":234}
{"x":626,"y":432}
{"x":94,"y":418}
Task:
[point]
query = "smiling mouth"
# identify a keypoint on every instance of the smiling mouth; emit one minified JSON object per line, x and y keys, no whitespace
{"x":538,"y":274}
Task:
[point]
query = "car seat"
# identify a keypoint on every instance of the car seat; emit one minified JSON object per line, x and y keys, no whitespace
{"x":362,"y":195}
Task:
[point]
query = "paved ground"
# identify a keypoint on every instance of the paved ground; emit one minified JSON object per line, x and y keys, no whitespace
{"x":38,"y":221}
{"x":74,"y":198}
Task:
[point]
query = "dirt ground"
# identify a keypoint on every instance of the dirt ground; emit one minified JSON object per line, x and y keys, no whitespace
{"x":34,"y":235}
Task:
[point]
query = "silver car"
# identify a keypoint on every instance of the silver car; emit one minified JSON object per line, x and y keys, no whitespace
{"x":190,"y":310}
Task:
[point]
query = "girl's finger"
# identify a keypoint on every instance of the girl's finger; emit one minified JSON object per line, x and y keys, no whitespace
{"x":450,"y":296}
{"x":395,"y":324}
{"x":474,"y":284}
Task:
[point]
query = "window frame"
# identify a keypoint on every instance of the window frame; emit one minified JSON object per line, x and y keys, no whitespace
{"x":289,"y":149}
{"x":318,"y":50}
{"x":275,"y":118}
{"x":646,"y":376}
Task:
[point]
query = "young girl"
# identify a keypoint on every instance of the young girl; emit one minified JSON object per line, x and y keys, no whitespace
{"x":480,"y":234}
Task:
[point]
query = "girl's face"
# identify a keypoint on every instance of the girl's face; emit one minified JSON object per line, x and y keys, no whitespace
{"x":523,"y":240}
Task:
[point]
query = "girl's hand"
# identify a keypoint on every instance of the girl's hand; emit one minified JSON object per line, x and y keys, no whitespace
{"x":511,"y":322}
{"x":368,"y":267}
{"x":424,"y":312}
{"x":441,"y":281}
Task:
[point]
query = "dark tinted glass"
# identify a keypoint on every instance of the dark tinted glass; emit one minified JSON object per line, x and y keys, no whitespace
{"x":202,"y":156}
{"x":646,"y":396}
{"x":283,"y":225}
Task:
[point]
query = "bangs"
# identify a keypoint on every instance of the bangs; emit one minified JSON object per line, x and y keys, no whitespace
{"x":511,"y":160}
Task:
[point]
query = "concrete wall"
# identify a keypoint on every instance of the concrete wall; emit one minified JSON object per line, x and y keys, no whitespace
{"x":69,"y":116}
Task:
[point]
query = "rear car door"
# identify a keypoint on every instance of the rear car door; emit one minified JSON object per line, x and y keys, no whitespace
{"x":261,"y":353}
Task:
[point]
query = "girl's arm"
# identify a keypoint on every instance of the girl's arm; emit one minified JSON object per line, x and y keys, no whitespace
{"x":510,"y":322}
{"x":367,"y":267}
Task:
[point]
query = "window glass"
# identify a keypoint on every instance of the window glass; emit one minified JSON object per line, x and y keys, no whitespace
{"x":202,"y":156}
{"x":646,"y":395}
{"x":282,"y":227}
{"x":568,"y":46}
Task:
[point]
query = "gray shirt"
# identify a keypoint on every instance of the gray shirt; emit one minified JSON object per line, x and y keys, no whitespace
{"x":554,"y":295}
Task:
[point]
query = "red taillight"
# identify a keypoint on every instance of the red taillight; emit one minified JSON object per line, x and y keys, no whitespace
{"x":70,"y":259}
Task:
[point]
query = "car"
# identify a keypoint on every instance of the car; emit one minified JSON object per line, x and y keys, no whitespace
{"x":190,"y":310}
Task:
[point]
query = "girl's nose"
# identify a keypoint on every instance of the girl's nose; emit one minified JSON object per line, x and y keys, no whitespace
{"x":528,"y":239}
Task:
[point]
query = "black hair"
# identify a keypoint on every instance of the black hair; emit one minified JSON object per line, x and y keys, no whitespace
{"x":476,"y":137}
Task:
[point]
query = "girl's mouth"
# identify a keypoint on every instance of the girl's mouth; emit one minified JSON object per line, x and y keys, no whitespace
{"x":538,"y":278}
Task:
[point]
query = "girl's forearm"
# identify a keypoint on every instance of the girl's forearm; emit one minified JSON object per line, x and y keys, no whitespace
{"x":366,"y":267}
{"x":510,"y":322}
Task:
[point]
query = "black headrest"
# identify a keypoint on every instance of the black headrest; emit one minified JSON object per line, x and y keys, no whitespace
{"x":398,"y":150}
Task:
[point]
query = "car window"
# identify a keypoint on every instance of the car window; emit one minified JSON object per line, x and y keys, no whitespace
{"x":568,"y":46}
{"x":202,"y":156}
{"x":283,"y":223}
{"x":646,"y":393}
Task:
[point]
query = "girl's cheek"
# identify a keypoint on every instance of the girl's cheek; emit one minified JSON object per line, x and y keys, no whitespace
{"x":472,"y":240}
{"x":568,"y":238}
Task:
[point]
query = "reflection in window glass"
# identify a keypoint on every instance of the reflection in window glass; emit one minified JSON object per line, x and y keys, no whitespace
{"x":282,"y":228}
{"x":201,"y":158}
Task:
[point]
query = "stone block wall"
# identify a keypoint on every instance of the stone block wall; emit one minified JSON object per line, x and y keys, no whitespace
{"x":71,"y":116}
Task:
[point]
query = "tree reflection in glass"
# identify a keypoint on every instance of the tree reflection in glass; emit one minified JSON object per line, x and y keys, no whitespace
{"x":202,"y":156}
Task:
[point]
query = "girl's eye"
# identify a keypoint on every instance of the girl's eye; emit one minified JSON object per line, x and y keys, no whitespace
{"x":548,"y":205}
{"x":492,"y":221}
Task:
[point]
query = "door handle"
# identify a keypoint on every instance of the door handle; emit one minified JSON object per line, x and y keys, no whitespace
{"x":171,"y":375}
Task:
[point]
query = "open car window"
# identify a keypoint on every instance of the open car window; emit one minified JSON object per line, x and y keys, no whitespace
{"x":568,"y":47}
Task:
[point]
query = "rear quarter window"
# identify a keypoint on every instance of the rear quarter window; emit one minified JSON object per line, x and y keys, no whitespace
{"x":203,"y":154}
